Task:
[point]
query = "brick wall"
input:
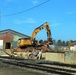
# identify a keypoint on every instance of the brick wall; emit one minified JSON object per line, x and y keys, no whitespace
{"x":7,"y":37}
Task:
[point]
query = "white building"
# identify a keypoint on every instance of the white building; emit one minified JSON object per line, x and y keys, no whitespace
{"x":73,"y":46}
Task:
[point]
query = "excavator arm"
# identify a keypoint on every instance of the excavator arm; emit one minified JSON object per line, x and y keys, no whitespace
{"x":45,"y":25}
{"x":31,"y":41}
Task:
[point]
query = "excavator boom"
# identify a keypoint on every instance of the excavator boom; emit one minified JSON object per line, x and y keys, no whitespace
{"x":45,"y":25}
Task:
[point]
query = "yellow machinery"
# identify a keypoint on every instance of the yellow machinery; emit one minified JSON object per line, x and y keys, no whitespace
{"x":25,"y":42}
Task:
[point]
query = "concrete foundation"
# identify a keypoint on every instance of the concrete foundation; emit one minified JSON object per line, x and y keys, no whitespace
{"x":67,"y":57}
{"x":58,"y":57}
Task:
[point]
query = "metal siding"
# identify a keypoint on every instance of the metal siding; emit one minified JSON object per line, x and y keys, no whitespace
{"x":14,"y":44}
{"x":16,"y":38}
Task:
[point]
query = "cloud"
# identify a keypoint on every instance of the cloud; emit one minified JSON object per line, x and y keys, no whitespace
{"x":56,"y":24}
{"x":29,"y":20}
{"x":34,"y":2}
{"x":70,"y":12}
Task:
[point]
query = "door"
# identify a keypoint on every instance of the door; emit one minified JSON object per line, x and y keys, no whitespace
{"x":8,"y":45}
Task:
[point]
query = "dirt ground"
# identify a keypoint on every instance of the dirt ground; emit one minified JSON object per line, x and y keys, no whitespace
{"x":15,"y":70}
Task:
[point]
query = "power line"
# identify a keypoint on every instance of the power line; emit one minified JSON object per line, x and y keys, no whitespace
{"x":25,"y":10}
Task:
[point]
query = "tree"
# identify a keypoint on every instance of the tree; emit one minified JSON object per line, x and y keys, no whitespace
{"x":70,"y":42}
{"x":63,"y":43}
{"x":54,"y":42}
{"x":35,"y":42}
{"x":59,"y":43}
{"x":66,"y":44}
{"x":41,"y":41}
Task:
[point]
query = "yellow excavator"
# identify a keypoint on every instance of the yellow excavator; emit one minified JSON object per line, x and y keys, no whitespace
{"x":23,"y":43}
{"x":26,"y":42}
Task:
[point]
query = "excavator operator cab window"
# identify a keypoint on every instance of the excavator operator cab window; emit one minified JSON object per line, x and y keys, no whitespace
{"x":19,"y":40}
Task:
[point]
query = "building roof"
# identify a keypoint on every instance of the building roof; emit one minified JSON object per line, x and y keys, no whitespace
{"x":74,"y":43}
{"x":14,"y":32}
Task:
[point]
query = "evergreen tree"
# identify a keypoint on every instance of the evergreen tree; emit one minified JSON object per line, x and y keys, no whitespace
{"x":41,"y":41}
{"x":70,"y":42}
{"x":63,"y":43}
{"x":54,"y":42}
{"x":59,"y":43}
{"x":66,"y":44}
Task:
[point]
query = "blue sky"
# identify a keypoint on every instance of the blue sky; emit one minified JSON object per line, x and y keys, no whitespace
{"x":60,"y":14}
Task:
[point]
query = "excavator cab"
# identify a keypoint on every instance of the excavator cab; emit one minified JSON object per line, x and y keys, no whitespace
{"x":25,"y":42}
{"x":22,"y":42}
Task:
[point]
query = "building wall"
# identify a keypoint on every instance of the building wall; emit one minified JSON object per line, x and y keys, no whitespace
{"x":67,"y":57}
{"x":9,"y":38}
{"x":58,"y":57}
{"x":1,"y":44}
{"x":73,"y":48}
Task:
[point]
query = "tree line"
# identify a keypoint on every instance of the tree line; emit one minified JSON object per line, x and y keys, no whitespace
{"x":63,"y":43}
{"x":59,"y":42}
